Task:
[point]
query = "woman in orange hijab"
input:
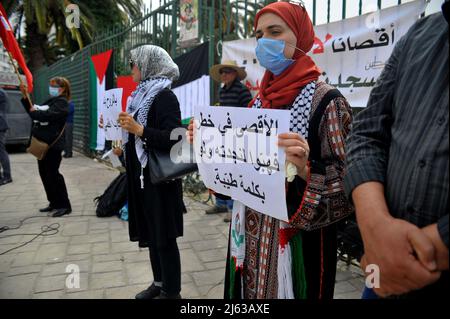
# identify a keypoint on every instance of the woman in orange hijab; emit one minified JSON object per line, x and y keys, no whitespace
{"x":270,"y":258}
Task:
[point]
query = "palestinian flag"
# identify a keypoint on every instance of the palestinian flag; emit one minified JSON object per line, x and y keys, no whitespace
{"x":193,"y":86}
{"x":101,"y":78}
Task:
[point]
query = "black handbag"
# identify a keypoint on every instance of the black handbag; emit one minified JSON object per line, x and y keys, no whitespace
{"x":163,"y":169}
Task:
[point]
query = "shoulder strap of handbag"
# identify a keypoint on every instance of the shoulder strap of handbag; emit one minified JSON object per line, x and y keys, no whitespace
{"x":59,"y":136}
{"x":313,"y":131}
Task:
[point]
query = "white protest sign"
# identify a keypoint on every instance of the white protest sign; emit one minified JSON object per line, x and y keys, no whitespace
{"x":237,"y":155}
{"x":112,"y":106}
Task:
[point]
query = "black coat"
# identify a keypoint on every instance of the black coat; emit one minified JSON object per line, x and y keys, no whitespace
{"x":55,"y":116}
{"x":155,"y":212}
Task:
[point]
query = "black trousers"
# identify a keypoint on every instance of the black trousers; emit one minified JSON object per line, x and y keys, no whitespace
{"x":166,"y":266}
{"x":320,"y":259}
{"x":54,"y":184}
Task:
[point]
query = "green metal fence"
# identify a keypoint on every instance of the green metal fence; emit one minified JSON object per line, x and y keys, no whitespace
{"x":219,"y":20}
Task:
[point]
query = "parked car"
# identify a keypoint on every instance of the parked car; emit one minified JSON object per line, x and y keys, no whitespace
{"x":18,"y":120}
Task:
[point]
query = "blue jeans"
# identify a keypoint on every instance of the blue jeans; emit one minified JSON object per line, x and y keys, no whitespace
{"x":368,"y":293}
{"x":224,"y":203}
{"x":4,"y":157}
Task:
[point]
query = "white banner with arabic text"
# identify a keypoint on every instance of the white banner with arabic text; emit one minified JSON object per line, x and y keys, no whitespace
{"x":351,"y":53}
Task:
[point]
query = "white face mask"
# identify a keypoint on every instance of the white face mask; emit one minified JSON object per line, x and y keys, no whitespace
{"x":54,"y":91}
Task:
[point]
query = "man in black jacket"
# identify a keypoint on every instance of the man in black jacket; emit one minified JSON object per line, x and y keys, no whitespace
{"x":4,"y":158}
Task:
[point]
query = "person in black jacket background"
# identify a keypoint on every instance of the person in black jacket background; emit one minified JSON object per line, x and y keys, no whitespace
{"x":49,"y":122}
{"x":155,"y":212}
{"x":4,"y":158}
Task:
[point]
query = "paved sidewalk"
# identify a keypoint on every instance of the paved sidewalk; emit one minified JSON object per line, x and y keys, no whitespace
{"x":110,"y":265}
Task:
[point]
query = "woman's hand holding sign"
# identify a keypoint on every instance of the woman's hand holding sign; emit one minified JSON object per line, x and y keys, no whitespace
{"x":128,"y":123}
{"x":297,"y":151}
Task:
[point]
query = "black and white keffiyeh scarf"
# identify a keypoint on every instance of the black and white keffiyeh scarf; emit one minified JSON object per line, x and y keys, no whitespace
{"x":300,"y":110}
{"x":141,"y":101}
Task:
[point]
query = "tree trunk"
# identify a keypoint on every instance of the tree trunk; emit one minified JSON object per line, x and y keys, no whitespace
{"x":36,"y":44}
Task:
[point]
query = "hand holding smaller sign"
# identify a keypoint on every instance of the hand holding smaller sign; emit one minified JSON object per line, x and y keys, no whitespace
{"x":297,"y":151}
{"x":128,"y":123}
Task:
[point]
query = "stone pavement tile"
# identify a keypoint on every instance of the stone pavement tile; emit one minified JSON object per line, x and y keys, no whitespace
{"x":75,"y":228}
{"x":91,"y":238}
{"x":128,"y":292}
{"x":208,"y":277}
{"x":100,"y":248}
{"x":190,"y":235}
{"x":107,"y":266}
{"x":213,"y":255}
{"x":189,"y":290}
{"x":108,"y":257}
{"x":190,"y":261}
{"x":216,"y":265}
{"x":88,"y":294}
{"x":118,"y":224}
{"x":139,"y":273}
{"x":350,"y":295}
{"x":206,"y":290}
{"x":343,"y":275}
{"x":23,"y":259}
{"x":186,"y":278}
{"x":209,"y":244}
{"x":99,"y":231}
{"x":98,"y":225}
{"x":126,"y":246}
{"x":17,"y":287}
{"x":74,"y":258}
{"x":73,"y":286}
{"x":56,"y":239}
{"x":119,"y":237}
{"x":205,"y":229}
{"x":49,"y":295}
{"x":45,"y":284}
{"x":12,"y":240}
{"x":216,"y":292}
{"x":79,"y":249}
{"x":182,"y":246}
{"x":50,"y":253}
{"x":24,"y":270}
{"x":358,"y":283}
{"x":216,"y":236}
{"x":343,"y":287}
{"x":5,"y":262}
{"x":64,"y":269}
{"x":106,"y":280}
{"x":30,"y":247}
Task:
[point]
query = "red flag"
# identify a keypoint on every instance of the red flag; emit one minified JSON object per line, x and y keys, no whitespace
{"x":11,"y":45}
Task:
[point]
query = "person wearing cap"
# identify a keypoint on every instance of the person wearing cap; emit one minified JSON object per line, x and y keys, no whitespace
{"x":231,"y":93}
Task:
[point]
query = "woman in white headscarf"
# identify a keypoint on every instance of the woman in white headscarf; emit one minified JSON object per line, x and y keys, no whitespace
{"x":155,"y":211}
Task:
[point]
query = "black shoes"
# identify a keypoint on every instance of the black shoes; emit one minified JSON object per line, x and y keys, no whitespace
{"x":155,"y":292}
{"x":46,"y":209}
{"x":150,"y":293}
{"x":164,"y":295}
{"x":67,"y":156}
{"x":5,"y":181}
{"x":61,"y":212}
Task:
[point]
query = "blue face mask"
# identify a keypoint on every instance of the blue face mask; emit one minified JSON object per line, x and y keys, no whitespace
{"x":270,"y":54}
{"x":54,"y":91}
